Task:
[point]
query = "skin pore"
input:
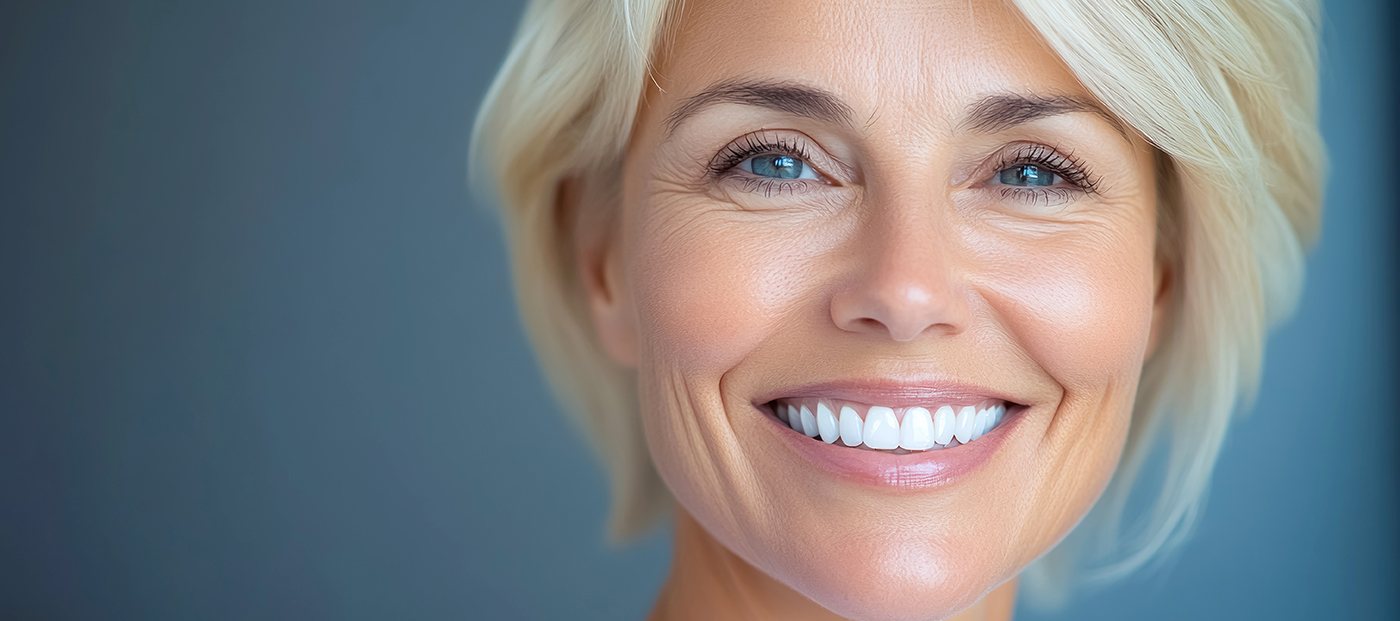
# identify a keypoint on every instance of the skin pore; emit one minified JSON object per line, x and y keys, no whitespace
{"x":911,"y":192}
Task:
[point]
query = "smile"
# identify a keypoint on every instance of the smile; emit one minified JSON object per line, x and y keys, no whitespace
{"x":934,"y":426}
{"x":909,"y":435}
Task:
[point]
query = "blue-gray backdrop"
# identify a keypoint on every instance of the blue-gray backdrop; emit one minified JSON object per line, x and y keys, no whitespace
{"x":259,"y":357}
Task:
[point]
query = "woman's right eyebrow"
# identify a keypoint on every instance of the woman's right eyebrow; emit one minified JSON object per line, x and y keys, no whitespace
{"x":790,"y":97}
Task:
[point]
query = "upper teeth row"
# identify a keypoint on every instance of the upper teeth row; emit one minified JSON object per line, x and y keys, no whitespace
{"x":879,"y":428}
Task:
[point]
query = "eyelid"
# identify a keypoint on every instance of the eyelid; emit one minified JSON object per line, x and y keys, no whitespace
{"x":1063,"y":163}
{"x":831,"y":170}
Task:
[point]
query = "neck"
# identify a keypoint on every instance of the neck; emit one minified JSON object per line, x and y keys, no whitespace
{"x":707,"y":581}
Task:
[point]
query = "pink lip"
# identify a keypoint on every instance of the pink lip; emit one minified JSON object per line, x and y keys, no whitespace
{"x":907,"y":472}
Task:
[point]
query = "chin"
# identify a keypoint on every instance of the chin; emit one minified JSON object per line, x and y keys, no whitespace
{"x":895,"y":582}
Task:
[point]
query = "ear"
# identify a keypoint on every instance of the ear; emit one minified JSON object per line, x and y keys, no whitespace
{"x":591,"y":218}
{"x":1164,"y":280}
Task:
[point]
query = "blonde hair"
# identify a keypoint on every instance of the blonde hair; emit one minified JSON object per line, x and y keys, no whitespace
{"x":1226,"y":91}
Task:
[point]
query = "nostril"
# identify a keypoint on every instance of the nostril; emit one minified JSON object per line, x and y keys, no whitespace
{"x":869,"y":323}
{"x":895,"y":311}
{"x":897,"y":331}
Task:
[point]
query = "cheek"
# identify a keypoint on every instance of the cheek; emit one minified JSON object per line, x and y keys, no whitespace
{"x":709,"y":289}
{"x":1081,"y":309}
{"x":692,"y":287}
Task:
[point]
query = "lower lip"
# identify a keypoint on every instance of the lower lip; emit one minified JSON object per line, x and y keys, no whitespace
{"x":911,"y":471}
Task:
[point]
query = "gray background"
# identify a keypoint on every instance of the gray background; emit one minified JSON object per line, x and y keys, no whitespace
{"x":260,"y":357}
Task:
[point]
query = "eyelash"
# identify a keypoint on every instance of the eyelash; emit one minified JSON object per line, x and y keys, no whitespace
{"x":755,"y":144}
{"x":1063,"y":164}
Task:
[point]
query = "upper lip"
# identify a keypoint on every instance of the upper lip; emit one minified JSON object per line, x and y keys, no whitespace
{"x":892,"y":393}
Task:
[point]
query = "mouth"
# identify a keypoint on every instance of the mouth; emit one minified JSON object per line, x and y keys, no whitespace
{"x":898,"y":430}
{"x":896,"y":436}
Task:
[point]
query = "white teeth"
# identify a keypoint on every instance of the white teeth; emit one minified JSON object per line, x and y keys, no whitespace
{"x":826,"y":423}
{"x":881,"y":428}
{"x":982,"y":424}
{"x":851,"y":426}
{"x":916,"y":430}
{"x":944,"y":422}
{"x":966,"y":417}
{"x":809,"y":422}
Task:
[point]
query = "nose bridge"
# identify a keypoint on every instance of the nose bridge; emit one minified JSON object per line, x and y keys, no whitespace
{"x":908,"y":278}
{"x":914,"y":237}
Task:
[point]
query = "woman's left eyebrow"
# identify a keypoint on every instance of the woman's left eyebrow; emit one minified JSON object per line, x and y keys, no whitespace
{"x":1001,"y":111}
{"x":790,"y":97}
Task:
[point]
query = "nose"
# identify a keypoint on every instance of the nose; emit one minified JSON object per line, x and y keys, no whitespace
{"x":908,"y":283}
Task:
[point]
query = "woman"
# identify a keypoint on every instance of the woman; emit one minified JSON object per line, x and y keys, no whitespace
{"x":887,"y":297}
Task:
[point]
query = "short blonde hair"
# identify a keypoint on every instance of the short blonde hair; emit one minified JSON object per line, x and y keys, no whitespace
{"x":1227,"y":93}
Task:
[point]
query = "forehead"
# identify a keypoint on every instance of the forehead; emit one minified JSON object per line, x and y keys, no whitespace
{"x":915,"y":61}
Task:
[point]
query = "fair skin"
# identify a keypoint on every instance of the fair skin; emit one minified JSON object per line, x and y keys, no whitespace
{"x":912,"y":203}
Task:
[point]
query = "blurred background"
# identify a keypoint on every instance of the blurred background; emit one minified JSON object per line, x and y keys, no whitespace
{"x":261,"y":359}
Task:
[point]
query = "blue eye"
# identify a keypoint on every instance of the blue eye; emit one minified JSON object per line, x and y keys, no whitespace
{"x":778,"y":166}
{"x":1028,"y":175}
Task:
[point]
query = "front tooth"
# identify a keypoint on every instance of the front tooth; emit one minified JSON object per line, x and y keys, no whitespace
{"x":982,"y":424}
{"x":850,"y":426}
{"x":916,"y":430}
{"x":809,"y":422}
{"x":881,"y":428}
{"x":966,"y":417}
{"x":826,"y":423}
{"x":944,"y":422}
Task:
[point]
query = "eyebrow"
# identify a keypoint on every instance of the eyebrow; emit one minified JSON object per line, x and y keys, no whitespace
{"x":1002,"y":111}
{"x":991,"y":114}
{"x":792,"y":98}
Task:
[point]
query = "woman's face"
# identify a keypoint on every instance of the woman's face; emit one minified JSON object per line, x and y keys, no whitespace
{"x":900,"y":222}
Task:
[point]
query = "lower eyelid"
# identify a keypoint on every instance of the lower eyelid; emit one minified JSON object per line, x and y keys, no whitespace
{"x":772,"y":186}
{"x":1047,"y":196}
